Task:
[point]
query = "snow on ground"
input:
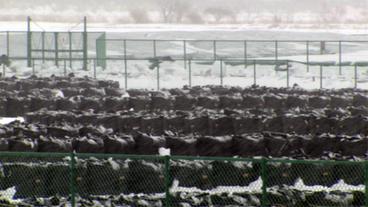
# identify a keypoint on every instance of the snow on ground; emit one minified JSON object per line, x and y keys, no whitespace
{"x":7,"y":120}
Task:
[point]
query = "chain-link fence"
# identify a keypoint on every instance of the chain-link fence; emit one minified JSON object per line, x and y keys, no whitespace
{"x":56,"y":179}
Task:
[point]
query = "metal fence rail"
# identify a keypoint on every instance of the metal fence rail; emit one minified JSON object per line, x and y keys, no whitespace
{"x":146,"y":180}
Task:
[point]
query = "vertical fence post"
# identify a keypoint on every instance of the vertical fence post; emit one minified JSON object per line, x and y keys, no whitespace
{"x":307,"y":56}
{"x":158,"y":77}
{"x":254,"y":72}
{"x":340,"y":58}
{"x":287,"y":74}
{"x":125,"y":65}
{"x":320,"y":76}
{"x":245,"y":54}
{"x":190,"y":72}
{"x":214,"y":50}
{"x":154,"y":49}
{"x":65,"y":67}
{"x":221,"y":73}
{"x":7,"y":44}
{"x":94,"y":69}
{"x":167,"y":181}
{"x":72,"y":184}
{"x":29,"y":43}
{"x":43,"y":46}
{"x":264,"y":201}
{"x":33,"y":66}
{"x":85,"y":44}
{"x":276,"y":50}
{"x":56,"y":49}
{"x":70,"y":49}
{"x":355,"y":76}
{"x":185,"y":53}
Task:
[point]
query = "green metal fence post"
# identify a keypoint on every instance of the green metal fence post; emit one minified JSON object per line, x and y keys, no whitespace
{"x":154,"y":49}
{"x":264,"y":201}
{"x":320,"y":76}
{"x":307,"y":56}
{"x":7,"y":44}
{"x":72,"y":179}
{"x":29,"y":43}
{"x":33,"y":66}
{"x":214,"y":50}
{"x":167,"y":181}
{"x":245,"y":54}
{"x":94,"y":69}
{"x":276,"y":50}
{"x":254,"y":72}
{"x":185,"y":53}
{"x":287,"y":74}
{"x":340,"y":58}
{"x":65,"y":67}
{"x":70,"y":50}
{"x":43,"y":46}
{"x":355,"y":76}
{"x":85,"y":46}
{"x":221,"y":73}
{"x":190,"y":72}
{"x":56,"y":49}
{"x":125,"y":65}
{"x":158,"y":77}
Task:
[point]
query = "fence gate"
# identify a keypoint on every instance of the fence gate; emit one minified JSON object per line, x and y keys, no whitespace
{"x":57,"y":46}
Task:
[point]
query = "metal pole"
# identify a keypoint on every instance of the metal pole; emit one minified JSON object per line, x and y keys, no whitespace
{"x":214,"y":50}
{"x":167,"y":181}
{"x":85,"y":47}
{"x":221,"y":73}
{"x":94,"y":69}
{"x":43,"y":46}
{"x":185,"y":53}
{"x":254,"y":72}
{"x":33,"y":66}
{"x":287,"y":75}
{"x":56,"y":49}
{"x":72,"y":179}
{"x":154,"y":49}
{"x":340,"y":57}
{"x":29,"y":43}
{"x":264,"y":201}
{"x":158,"y":77}
{"x":276,"y":50}
{"x":125,"y":65}
{"x":320,"y":76}
{"x":245,"y":54}
{"x":65,"y":67}
{"x":70,"y":50}
{"x":190,"y":73}
{"x":356,"y":77}
{"x":7,"y":44}
{"x":307,"y":56}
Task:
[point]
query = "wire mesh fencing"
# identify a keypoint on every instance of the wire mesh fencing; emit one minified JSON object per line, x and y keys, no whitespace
{"x":69,"y":179}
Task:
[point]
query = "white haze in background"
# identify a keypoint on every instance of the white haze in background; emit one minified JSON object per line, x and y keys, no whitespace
{"x":274,"y":13}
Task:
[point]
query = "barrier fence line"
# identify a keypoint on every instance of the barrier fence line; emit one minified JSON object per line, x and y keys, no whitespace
{"x":84,"y":173}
